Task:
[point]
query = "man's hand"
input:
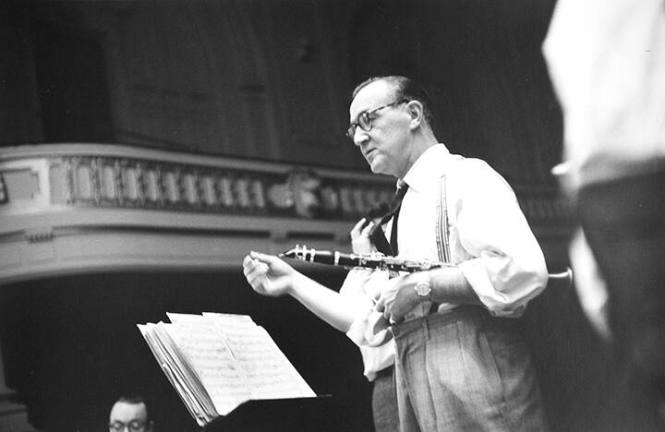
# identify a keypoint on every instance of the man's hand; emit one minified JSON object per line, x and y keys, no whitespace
{"x":267,"y":274}
{"x":360,"y":241}
{"x":399,"y":298}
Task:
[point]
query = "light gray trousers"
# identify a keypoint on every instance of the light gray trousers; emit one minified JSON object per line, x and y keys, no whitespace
{"x":465,"y":371}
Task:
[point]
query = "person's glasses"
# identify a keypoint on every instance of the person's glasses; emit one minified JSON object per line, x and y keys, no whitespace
{"x":132,"y":426}
{"x":365,"y":118}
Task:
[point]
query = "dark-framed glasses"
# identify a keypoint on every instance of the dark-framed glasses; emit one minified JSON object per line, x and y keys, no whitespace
{"x":132,"y":426}
{"x":365,"y":118}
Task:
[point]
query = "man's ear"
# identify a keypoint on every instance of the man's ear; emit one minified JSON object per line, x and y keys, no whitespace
{"x":416,"y":112}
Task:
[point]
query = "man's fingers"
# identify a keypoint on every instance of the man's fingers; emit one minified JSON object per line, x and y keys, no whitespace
{"x":268,"y":262}
{"x":357,"y":228}
{"x":367,"y":229}
{"x":251,"y":275}
{"x":362,"y":228}
{"x":256,"y":280}
{"x":248,"y":265}
{"x":258,"y":256}
{"x":251,"y":268}
{"x":251,"y":265}
{"x":259,"y":269}
{"x":359,"y":225}
{"x":263,"y":258}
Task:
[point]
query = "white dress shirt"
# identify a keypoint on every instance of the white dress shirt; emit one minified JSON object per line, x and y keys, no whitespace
{"x":606,"y":59}
{"x":490,"y":239}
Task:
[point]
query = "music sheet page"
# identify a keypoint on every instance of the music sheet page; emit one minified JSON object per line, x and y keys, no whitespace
{"x":218,"y":361}
{"x":269,"y":372}
{"x":208,"y":353}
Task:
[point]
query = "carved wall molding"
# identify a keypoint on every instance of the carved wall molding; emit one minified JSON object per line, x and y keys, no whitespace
{"x":85,"y":207}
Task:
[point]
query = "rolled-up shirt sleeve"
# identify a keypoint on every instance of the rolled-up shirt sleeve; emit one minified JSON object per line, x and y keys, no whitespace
{"x":363,"y":285}
{"x":503,"y":261}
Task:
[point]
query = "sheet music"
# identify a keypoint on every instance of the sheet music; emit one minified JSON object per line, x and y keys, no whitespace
{"x":203,"y":344}
{"x":269,"y":372}
{"x":218,"y":361}
{"x":176,"y":372}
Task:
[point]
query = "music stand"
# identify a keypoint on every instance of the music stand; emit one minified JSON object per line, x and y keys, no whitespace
{"x":280,"y":415}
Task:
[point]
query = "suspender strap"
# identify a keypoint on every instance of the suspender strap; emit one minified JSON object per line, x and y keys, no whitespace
{"x":442,"y":230}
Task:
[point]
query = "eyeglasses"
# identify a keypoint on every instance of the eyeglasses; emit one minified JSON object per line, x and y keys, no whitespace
{"x":365,"y":118}
{"x":132,"y":426}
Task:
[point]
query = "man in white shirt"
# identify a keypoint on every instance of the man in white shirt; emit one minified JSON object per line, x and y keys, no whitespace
{"x":463,"y":367}
{"x":460,"y":364}
{"x":606,"y":59}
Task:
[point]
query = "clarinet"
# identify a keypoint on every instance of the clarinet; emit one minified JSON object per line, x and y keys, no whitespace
{"x":375,"y":260}
{"x":379,"y":261}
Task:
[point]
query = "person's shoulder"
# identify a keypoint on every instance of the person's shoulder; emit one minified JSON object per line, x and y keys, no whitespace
{"x":476,"y":171}
{"x":469,"y":166}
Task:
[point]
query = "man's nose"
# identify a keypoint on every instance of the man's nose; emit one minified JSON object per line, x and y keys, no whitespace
{"x":360,"y":137}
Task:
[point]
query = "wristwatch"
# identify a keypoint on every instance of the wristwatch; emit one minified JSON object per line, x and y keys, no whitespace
{"x":423,"y":286}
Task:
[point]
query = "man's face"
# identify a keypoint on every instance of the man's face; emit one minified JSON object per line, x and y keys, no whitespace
{"x":384,"y":146}
{"x":129,"y":416}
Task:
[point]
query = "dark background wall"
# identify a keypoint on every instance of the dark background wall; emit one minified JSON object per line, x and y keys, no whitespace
{"x":72,"y":344}
{"x":268,"y":80}
{"x":271,"y":79}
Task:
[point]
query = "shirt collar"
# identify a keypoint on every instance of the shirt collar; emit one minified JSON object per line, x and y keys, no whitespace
{"x":428,"y":167}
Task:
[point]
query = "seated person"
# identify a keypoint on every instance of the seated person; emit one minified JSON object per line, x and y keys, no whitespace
{"x":130,"y":413}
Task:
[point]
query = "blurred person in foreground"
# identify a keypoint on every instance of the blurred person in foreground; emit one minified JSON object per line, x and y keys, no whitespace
{"x":606,"y":59}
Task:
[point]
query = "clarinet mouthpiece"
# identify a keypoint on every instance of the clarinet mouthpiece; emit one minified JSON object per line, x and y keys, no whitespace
{"x":298,"y":252}
{"x":287,"y":254}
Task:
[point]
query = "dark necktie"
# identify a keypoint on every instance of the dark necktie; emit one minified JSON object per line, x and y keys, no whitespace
{"x":377,"y":236}
{"x":399,"y":196}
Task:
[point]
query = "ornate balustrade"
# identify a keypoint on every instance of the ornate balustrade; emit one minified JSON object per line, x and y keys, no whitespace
{"x":85,"y":207}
